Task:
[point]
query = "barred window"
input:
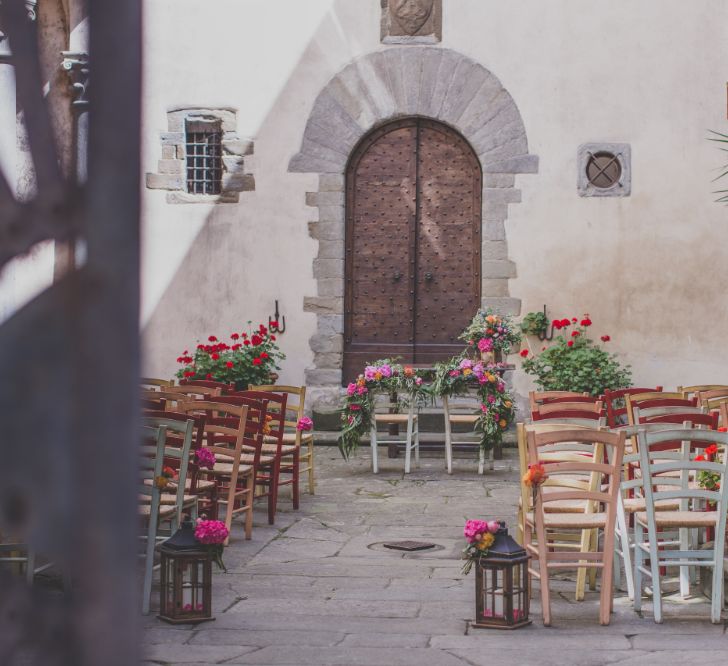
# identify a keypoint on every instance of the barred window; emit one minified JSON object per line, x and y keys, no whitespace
{"x":204,"y":156}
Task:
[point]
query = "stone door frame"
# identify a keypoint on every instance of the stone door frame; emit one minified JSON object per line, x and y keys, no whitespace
{"x":430,"y":82}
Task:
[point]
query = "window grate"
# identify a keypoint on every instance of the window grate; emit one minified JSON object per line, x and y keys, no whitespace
{"x":204,"y":158}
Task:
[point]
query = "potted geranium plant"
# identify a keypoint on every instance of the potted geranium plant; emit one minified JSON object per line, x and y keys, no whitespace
{"x":574,"y":362}
{"x":492,"y":335}
{"x":252,"y":357}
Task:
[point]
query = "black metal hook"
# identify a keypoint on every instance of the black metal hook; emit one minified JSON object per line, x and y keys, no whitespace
{"x":547,"y":336}
{"x":279,"y":321}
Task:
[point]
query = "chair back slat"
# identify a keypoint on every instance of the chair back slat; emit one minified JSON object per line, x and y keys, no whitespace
{"x":692,"y":391}
{"x":536,"y":398}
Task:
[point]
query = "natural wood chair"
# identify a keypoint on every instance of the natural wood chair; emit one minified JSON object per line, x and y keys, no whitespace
{"x":598,"y":465}
{"x":464,"y":409}
{"x":585,"y":540}
{"x":596,"y":419}
{"x":266,"y":464}
{"x":222,"y":387}
{"x":658,"y":468}
{"x":151,"y":462}
{"x":589,"y":406}
{"x":154,"y":383}
{"x":616,"y":403}
{"x":655,"y":399}
{"x":224,"y":436}
{"x":536,"y":398}
{"x":692,"y":391}
{"x":295,"y":411}
{"x":387,"y":411}
{"x":712,"y":399}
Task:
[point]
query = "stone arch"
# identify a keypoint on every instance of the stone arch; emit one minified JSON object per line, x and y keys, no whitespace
{"x":433,"y":83}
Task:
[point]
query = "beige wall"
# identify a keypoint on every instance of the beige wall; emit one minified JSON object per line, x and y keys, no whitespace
{"x":648,"y":268}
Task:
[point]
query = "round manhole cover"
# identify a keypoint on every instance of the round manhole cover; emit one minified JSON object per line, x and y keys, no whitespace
{"x":405,"y":546}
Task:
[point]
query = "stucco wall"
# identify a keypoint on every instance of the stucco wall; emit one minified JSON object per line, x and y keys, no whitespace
{"x":649,"y":268}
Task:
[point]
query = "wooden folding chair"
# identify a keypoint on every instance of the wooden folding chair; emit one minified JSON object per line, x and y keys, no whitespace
{"x":597,"y":465}
{"x":692,"y":391}
{"x":616,"y":403}
{"x":464,"y":409}
{"x":658,"y":468}
{"x":387,"y":412}
{"x":536,"y":398}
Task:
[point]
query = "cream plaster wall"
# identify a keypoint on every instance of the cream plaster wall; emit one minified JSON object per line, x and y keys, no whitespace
{"x":649,"y":268}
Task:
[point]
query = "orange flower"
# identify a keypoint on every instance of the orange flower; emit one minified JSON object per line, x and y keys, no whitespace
{"x":408,"y":371}
{"x":266,"y":425}
{"x":535,"y":475}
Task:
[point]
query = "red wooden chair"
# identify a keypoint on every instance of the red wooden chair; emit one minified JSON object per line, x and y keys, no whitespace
{"x":616,"y":403}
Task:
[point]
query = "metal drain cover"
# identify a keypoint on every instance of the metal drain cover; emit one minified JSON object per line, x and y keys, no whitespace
{"x":409,"y":545}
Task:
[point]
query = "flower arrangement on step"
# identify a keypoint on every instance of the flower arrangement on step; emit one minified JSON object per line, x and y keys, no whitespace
{"x":574,"y":362}
{"x":480,"y":535}
{"x":491,"y":334}
{"x":497,"y":408}
{"x":252,"y":357}
{"x":383,"y":376}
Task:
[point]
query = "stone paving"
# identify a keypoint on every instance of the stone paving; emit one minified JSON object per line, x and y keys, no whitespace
{"x":318,"y":589}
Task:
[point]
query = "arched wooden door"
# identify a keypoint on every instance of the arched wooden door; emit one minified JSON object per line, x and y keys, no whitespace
{"x":413,"y":220}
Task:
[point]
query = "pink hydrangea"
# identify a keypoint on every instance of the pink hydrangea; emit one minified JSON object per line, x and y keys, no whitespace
{"x":351,"y":389}
{"x":386,"y":370}
{"x":304,"y":423}
{"x":485,"y":344}
{"x":466,"y":363}
{"x":361,"y":390}
{"x":369,"y":372}
{"x":474,"y":528}
{"x":211,"y":532}
{"x":205,"y":458}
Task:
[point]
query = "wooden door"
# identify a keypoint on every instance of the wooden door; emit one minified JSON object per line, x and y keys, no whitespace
{"x":413,"y":198}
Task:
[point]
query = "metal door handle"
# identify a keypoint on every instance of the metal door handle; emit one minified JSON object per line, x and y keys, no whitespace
{"x":428,"y":277}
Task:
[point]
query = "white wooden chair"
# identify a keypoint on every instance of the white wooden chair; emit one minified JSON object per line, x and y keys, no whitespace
{"x":391,"y":417}
{"x":658,"y":467}
{"x":458,"y":410}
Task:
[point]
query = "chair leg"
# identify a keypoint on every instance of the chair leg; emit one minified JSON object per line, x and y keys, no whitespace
{"x":481,"y":460}
{"x":294,"y":482}
{"x":448,"y":436}
{"x":375,"y":462}
{"x":250,"y":485}
{"x":593,"y":570}
{"x":273,"y":491}
{"x":607,"y":592}
{"x":716,"y":598}
{"x":584,"y":547}
{"x":656,"y":581}
{"x":684,"y":538}
{"x":625,"y":550}
{"x":417,"y":441}
{"x":311,"y":484}
{"x":408,"y":445}
{"x":491,"y":465}
{"x":639,"y":538}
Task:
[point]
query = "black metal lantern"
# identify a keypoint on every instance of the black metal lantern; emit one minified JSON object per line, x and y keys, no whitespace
{"x":501,"y":585}
{"x":185,"y":595}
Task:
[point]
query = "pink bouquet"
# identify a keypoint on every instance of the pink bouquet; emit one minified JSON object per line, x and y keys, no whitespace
{"x":205,"y":458}
{"x":213,"y":534}
{"x":304,"y":424}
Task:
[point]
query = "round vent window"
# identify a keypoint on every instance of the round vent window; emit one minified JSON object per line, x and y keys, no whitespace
{"x":603,"y":170}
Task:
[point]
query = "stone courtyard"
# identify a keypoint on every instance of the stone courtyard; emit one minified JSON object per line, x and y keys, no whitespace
{"x":319,"y":589}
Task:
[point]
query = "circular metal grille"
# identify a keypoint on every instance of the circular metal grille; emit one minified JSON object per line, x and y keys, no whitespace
{"x":603,"y":170}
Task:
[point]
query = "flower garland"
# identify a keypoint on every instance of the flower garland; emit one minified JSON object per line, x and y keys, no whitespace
{"x":497,"y":407}
{"x":382,"y":376}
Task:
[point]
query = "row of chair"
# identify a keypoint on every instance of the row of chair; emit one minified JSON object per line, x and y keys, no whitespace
{"x":256,"y":442}
{"x":596,"y":485}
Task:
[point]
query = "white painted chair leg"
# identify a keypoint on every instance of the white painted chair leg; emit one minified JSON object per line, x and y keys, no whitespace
{"x":408,"y":444}
{"x":624,"y":546}
{"x":492,"y":459}
{"x":716,"y":599}
{"x":417,"y":440}
{"x":375,"y":462}
{"x":448,"y":435}
{"x":656,"y":581}
{"x":638,"y":564}
{"x":481,"y":460}
{"x":684,"y":571}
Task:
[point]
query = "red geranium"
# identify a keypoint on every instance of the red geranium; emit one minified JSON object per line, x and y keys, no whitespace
{"x":274,"y":324}
{"x":575,"y":334}
{"x":257,"y":361}
{"x":214,"y":357}
{"x":556,"y":323}
{"x":257,"y":340}
{"x":229,"y":364}
{"x":565,"y":323}
{"x":606,"y":338}
{"x":570,"y":343}
{"x":524,"y":353}
{"x":189,"y":373}
{"x":263,"y":355}
{"x":234,"y":336}
{"x":212,"y":338}
{"x":236,"y":346}
{"x":586,"y":322}
{"x":208,"y":375}
{"x":246,"y":342}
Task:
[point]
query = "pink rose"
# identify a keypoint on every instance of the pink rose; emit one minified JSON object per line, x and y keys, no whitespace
{"x":350,"y":389}
{"x":493,"y":526}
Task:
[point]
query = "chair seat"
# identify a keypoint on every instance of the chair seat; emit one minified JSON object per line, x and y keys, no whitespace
{"x":636,"y":504}
{"x":562,"y":506}
{"x":226,"y":469}
{"x":290,"y":438}
{"x":169,"y":498}
{"x":572,"y":520}
{"x":286,"y":449}
{"x":164,"y":511}
{"x":393,"y":418}
{"x":245,"y":458}
{"x":202,"y":484}
{"x":463,"y":418}
{"x":681,"y":518}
